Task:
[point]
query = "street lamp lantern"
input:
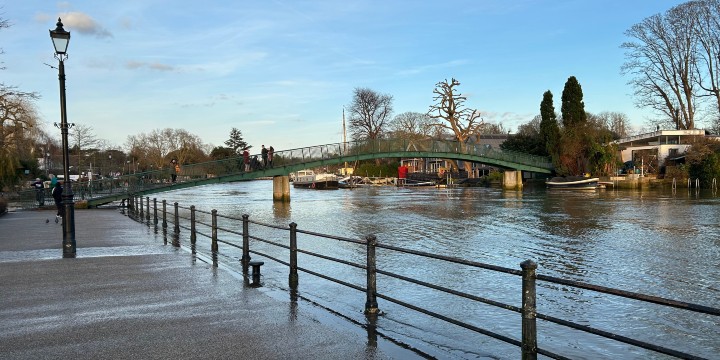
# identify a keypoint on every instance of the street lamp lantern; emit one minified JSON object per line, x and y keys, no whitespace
{"x":61,"y":39}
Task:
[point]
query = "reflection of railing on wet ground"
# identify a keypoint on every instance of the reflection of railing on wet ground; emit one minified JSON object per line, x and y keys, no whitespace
{"x":186,"y":218}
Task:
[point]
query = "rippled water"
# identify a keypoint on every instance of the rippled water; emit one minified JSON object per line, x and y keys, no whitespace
{"x":652,"y":242}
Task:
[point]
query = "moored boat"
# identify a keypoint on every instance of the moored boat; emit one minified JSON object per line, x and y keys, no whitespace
{"x":573,"y":183}
{"x":309,"y":180}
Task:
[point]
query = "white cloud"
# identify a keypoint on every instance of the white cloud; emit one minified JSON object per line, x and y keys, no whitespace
{"x":84,"y":24}
{"x":146,"y":65}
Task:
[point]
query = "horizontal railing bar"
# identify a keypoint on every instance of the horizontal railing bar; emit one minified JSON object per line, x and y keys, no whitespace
{"x":355,"y":241}
{"x":332,"y":259}
{"x":451,"y":291}
{"x":270,"y":257}
{"x":203,"y":234}
{"x":352,"y":286}
{"x":617,"y":337}
{"x":453,"y":260}
{"x":633,"y":295}
{"x":450,"y":320}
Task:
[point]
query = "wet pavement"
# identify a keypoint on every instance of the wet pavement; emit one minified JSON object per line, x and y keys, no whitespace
{"x":128,"y":295}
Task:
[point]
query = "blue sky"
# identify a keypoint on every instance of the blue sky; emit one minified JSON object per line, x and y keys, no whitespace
{"x":282,"y":70}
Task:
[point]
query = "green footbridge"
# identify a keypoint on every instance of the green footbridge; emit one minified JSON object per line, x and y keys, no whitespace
{"x":286,"y":161}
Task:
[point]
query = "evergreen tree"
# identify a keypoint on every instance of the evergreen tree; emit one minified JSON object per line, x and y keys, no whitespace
{"x":549,"y":130}
{"x":236,"y":142}
{"x":573,"y":107}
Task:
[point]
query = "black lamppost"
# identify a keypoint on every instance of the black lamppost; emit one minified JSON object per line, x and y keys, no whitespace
{"x":60,"y":39}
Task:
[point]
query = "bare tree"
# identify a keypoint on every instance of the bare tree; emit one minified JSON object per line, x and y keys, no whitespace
{"x":615,"y":122}
{"x":154,"y":150}
{"x":662,"y":62}
{"x":411,"y":125}
{"x":450,"y":113}
{"x":708,"y":61}
{"x":368,"y":114}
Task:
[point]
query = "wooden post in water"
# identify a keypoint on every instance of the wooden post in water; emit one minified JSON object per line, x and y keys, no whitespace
{"x":371,"y":306}
{"x":281,"y":188}
{"x":293,"y":278}
{"x":529,"y":329}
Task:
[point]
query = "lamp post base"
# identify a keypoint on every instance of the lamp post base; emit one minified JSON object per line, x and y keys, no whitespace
{"x":69,"y":226}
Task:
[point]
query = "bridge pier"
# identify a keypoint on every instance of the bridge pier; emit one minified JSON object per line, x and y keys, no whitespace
{"x":512,"y":180}
{"x":281,"y":188}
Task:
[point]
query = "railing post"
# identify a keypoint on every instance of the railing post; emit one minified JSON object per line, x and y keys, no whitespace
{"x":155,"y":218}
{"x":245,"y":260}
{"x":177,"y":225}
{"x":147,"y":212}
{"x":214,"y":244}
{"x":529,"y":330}
{"x":164,"y":214}
{"x":293,"y":279}
{"x":140,"y":205}
{"x":371,"y":306}
{"x":193,"y":236}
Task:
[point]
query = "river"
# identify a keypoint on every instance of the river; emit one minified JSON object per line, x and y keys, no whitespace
{"x":655,"y":242}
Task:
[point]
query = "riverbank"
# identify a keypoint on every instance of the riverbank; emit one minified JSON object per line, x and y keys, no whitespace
{"x":128,"y":294}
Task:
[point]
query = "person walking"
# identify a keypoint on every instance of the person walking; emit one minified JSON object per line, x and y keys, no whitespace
{"x":246,"y":159}
{"x":271,"y":151}
{"x":57,"y":196}
{"x":174,"y":171}
{"x":39,"y":192}
{"x":264,"y":154}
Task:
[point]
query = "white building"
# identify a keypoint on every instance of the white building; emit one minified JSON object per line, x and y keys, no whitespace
{"x":655,"y":148}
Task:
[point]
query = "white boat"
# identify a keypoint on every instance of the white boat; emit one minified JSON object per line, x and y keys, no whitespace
{"x":573,"y":183}
{"x":308,"y":179}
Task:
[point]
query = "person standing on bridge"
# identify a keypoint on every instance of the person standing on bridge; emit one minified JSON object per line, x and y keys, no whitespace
{"x":271,"y":151}
{"x":246,"y":159}
{"x":264,"y":154}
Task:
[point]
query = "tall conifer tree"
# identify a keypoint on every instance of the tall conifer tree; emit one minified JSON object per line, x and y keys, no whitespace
{"x":573,"y":107}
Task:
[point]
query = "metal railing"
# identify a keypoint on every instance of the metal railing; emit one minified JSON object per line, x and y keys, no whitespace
{"x":528,"y":313}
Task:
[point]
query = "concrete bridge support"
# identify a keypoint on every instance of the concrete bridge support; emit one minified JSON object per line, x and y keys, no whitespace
{"x":281,"y":188}
{"x":512,"y":180}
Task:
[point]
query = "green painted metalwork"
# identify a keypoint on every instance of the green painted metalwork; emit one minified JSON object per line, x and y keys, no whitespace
{"x":287,"y":161}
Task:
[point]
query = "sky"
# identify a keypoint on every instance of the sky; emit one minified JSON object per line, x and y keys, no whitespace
{"x":281,"y":71}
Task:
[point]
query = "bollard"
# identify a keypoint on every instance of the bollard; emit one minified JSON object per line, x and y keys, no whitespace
{"x":164,"y":215}
{"x":371,"y":306}
{"x":193,"y":236}
{"x":214,"y":244}
{"x":245,"y":260}
{"x":140,"y":205}
{"x":529,"y":329}
{"x":155,"y":218}
{"x":293,"y":278}
{"x":256,"y":272}
{"x":147,"y":209}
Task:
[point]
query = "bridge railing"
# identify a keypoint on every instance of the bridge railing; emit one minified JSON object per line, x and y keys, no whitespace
{"x":141,"y":181}
{"x":362,"y":269}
